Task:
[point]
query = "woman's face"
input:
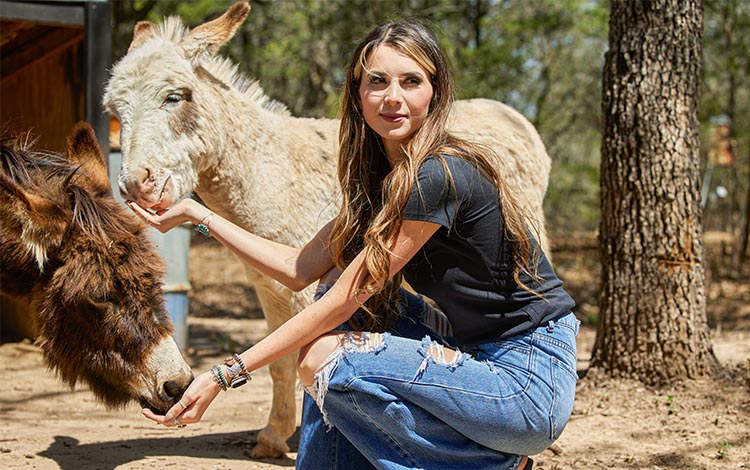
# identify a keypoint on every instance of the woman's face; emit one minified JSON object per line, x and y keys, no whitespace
{"x":395,"y":92}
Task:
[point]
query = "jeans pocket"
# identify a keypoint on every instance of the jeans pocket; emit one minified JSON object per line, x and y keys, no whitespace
{"x":512,"y":361}
{"x":564,"y":353}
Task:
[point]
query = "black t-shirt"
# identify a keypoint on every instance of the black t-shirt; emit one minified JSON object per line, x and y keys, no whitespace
{"x":466,"y":266}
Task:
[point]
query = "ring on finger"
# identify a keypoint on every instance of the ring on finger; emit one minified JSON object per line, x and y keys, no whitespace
{"x":177,"y":423}
{"x":181,"y":403}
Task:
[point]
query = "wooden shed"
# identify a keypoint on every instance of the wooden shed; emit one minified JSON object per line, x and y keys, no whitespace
{"x":54,"y":57}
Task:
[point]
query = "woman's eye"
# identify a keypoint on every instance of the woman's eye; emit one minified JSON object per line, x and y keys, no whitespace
{"x":376,"y":79}
{"x":413,"y":81}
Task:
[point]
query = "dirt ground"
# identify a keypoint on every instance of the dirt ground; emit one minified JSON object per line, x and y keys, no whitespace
{"x":701,"y":424}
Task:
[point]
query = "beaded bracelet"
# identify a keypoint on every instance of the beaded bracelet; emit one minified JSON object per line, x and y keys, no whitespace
{"x":202,"y":227}
{"x":245,"y":372}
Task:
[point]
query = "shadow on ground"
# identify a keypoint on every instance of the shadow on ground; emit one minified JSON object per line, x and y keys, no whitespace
{"x":228,"y":447}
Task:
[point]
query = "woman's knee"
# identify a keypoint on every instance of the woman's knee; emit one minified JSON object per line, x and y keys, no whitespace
{"x":317,"y":354}
{"x":314,"y":355}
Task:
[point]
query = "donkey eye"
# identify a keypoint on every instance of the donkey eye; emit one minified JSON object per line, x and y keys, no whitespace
{"x":99,"y":300}
{"x":172,"y":99}
{"x":101,"y":296}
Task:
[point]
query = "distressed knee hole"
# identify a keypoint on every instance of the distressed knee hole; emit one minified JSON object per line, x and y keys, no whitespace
{"x":441,"y":354}
{"x":314,"y":356}
{"x":365,"y":341}
{"x":438,"y":354}
{"x":318,"y":372}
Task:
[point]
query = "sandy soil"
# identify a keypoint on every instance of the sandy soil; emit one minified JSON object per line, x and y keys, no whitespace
{"x":616,"y":424}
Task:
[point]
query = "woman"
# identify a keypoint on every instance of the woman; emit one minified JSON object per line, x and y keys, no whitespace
{"x":422,"y":205}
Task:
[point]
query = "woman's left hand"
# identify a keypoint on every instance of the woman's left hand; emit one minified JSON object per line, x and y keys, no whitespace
{"x":163,"y":220}
{"x":192,"y":405}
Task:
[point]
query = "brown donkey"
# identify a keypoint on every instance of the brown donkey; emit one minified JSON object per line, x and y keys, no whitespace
{"x":88,"y":269}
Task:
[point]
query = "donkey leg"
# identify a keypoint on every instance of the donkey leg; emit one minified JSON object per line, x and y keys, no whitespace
{"x":281,"y":421}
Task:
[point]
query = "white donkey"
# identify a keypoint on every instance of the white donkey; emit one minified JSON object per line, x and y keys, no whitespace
{"x":191,"y":123}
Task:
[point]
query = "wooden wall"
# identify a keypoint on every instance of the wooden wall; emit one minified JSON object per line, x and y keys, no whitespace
{"x":42,"y":88}
{"x":42,"y":91}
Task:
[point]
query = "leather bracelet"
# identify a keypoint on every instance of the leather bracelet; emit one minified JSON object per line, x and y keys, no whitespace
{"x":237,"y":374}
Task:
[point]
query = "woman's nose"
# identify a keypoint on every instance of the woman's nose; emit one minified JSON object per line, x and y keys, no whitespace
{"x":392,"y":93}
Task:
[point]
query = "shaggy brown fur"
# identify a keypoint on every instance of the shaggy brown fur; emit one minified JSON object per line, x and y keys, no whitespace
{"x":87,"y":267}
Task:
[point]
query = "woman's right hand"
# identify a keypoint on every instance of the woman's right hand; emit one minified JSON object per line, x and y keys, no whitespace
{"x":191,"y":406}
{"x":186,"y":210}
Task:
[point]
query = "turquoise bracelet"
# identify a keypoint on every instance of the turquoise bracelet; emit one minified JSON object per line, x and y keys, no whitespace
{"x":202,"y":227}
{"x":203,"y":230}
{"x":219,"y":378}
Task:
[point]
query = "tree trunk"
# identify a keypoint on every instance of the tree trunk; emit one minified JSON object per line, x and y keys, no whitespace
{"x":746,"y":224}
{"x":652,"y":303}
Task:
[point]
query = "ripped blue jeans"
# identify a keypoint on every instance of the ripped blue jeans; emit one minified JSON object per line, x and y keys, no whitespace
{"x":395,"y":403}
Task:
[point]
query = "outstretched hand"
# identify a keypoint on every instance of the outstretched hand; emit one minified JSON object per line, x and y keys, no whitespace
{"x":187,"y":210}
{"x":194,"y":402}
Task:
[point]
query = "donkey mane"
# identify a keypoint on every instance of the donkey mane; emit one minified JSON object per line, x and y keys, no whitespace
{"x":223,"y":69}
{"x":91,"y":214}
{"x":18,"y":159}
{"x":94,"y":217}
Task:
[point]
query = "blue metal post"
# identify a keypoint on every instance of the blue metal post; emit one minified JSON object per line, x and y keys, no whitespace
{"x":173,"y":247}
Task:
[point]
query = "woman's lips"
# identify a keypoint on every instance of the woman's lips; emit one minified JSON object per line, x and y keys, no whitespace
{"x":393,"y":117}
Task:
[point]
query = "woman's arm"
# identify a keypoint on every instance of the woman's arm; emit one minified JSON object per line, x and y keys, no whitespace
{"x":339,"y":303}
{"x":334,"y":308}
{"x":296,"y":268}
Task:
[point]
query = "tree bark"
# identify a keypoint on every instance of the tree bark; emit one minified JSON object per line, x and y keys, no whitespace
{"x":652,"y":303}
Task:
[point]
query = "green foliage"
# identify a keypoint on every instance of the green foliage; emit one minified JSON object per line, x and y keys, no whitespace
{"x":667,"y":400}
{"x":726,"y":99}
{"x":572,"y":201}
{"x":543,"y":57}
{"x":722,"y":449}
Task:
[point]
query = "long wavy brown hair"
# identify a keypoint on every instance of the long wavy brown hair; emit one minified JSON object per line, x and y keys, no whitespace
{"x":374,"y":194}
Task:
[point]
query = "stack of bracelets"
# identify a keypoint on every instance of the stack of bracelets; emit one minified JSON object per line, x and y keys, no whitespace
{"x":237,"y":374}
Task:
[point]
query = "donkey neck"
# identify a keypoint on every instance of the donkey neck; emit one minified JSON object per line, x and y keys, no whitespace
{"x":268,"y":165}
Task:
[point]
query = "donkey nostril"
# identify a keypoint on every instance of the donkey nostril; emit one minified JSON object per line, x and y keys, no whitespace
{"x":131,"y":183}
{"x":173,"y":389}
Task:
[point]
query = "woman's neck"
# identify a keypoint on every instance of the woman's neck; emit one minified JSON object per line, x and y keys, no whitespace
{"x":394,"y":151}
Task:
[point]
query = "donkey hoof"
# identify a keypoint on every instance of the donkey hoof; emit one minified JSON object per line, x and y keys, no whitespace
{"x":265,"y":451}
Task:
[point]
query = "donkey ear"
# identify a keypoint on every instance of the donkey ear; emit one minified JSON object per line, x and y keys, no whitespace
{"x":83,"y":148}
{"x":143,"y":31}
{"x":209,"y":37}
{"x":38,"y":221}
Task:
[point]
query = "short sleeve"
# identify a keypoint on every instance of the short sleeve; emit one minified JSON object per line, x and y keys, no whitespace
{"x":432,"y":198}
